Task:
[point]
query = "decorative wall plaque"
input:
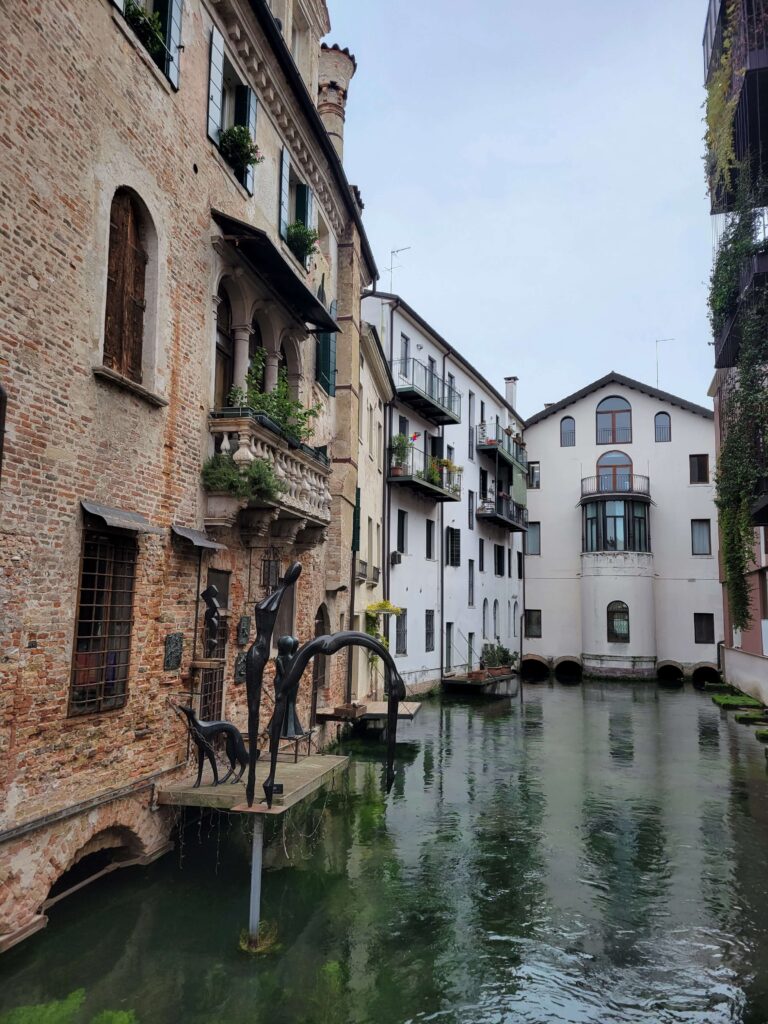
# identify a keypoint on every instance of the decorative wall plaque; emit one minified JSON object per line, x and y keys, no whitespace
{"x":174,"y":645}
{"x":240,"y":667}
{"x":244,"y":630}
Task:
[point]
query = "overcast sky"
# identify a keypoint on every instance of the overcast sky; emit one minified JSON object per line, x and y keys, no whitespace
{"x":543,"y":161}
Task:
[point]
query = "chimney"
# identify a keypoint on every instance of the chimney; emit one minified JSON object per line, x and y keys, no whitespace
{"x":511,"y":390}
{"x":337,"y":68}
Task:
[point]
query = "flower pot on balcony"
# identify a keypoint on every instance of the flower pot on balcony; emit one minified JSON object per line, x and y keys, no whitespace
{"x":476,"y":675}
{"x":397,"y":471}
{"x":223,"y":509}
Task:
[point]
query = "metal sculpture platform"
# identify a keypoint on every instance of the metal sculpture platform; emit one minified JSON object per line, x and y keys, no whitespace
{"x":375,"y":711}
{"x":463,"y":684}
{"x":299,"y":780}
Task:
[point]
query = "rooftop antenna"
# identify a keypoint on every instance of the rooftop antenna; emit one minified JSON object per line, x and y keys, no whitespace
{"x":659,"y":342}
{"x":392,"y":268}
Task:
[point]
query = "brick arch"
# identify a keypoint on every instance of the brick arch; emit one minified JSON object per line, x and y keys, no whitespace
{"x":33,"y":863}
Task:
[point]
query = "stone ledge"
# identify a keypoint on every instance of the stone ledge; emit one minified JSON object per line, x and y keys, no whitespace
{"x":107,"y":376}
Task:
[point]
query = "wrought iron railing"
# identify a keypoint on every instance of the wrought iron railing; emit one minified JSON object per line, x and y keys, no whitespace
{"x":361,"y":569}
{"x":614,"y":435}
{"x":411,"y":463}
{"x":505,"y":507}
{"x":410,"y":373}
{"x":494,"y":435}
{"x":615,"y":483}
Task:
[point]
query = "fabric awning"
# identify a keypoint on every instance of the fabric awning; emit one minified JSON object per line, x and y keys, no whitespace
{"x":198,"y":538}
{"x":273,"y":268}
{"x":119,"y":519}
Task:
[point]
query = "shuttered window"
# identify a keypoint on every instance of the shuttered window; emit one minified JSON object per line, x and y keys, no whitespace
{"x":326,"y":357}
{"x":285,"y":194}
{"x":245,"y":114}
{"x":215,"y":85}
{"x":164,"y":47}
{"x":452,"y":546}
{"x":126,"y":273}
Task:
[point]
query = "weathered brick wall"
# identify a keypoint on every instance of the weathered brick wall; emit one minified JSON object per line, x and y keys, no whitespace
{"x":83,"y":112}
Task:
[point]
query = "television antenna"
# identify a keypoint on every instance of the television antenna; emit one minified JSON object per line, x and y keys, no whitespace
{"x":659,"y":341}
{"x":392,"y":267}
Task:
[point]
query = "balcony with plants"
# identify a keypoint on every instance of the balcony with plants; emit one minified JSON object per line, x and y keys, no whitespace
{"x":426,"y":392}
{"x":736,"y":75}
{"x":493,"y":439}
{"x":435,"y":478}
{"x":502,"y":510}
{"x":262,"y":458}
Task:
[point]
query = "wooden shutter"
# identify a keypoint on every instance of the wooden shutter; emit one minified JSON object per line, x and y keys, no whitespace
{"x":173,"y":41}
{"x":332,"y":354}
{"x":326,"y":357}
{"x":245,"y":114}
{"x":126,"y":272}
{"x":356,"y":523}
{"x":215,"y":85}
{"x":285,"y":192}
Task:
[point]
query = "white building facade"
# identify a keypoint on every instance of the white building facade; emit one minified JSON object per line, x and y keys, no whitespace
{"x":622,"y":547}
{"x":456,"y":471}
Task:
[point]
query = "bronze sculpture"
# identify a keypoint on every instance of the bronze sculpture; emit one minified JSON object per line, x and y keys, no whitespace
{"x":291,"y":664}
{"x":203,"y":734}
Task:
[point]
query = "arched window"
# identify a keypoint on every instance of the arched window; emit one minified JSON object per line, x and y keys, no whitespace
{"x":485,"y":619}
{"x":567,"y":432}
{"x":614,"y":472}
{"x":495,"y":620}
{"x":126,"y":280}
{"x":225,"y":351}
{"x":614,"y":421}
{"x":618,"y":623}
{"x":515,"y":618}
{"x":663,"y":425}
{"x":509,"y":618}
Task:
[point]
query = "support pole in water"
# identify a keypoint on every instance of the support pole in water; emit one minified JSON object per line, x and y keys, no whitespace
{"x":254,"y":910}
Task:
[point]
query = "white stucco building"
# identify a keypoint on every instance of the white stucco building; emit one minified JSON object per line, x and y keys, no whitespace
{"x":622,"y":545}
{"x":456,"y":471}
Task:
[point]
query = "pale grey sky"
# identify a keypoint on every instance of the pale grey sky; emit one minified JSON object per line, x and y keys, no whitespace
{"x":544,"y":162}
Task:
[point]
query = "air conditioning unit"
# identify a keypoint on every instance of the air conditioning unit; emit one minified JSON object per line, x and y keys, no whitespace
{"x":396,"y":558}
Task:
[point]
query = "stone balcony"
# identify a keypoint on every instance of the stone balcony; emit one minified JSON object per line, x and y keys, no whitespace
{"x":301,"y":514}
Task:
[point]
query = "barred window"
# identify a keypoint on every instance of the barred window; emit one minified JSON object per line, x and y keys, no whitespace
{"x":401,"y":633}
{"x":452,"y":546}
{"x":103,"y":624}
{"x":429,"y":629}
{"x":618,"y":623}
{"x":533,"y":623}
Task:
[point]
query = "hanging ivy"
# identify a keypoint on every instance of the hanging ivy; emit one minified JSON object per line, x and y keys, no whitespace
{"x":721,"y":102}
{"x":373,"y":615}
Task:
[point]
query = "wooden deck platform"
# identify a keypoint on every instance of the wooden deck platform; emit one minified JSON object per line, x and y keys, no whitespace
{"x":465,"y":684}
{"x":299,"y":781}
{"x":376,"y":711}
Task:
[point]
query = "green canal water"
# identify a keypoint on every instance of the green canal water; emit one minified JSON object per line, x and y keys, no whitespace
{"x":598,"y":854}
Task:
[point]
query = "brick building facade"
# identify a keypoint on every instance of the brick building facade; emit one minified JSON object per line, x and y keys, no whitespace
{"x":142,"y":269}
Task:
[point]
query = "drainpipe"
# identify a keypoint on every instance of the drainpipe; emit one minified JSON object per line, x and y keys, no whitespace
{"x":442,"y":560}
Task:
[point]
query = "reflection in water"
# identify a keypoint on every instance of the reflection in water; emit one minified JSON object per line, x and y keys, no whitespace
{"x":595,"y":855}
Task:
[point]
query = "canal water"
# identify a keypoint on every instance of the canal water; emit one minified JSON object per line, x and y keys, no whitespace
{"x":595,"y":854}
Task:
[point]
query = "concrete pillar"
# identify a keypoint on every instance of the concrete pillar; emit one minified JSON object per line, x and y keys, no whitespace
{"x":254,"y":909}
{"x":270,"y":371}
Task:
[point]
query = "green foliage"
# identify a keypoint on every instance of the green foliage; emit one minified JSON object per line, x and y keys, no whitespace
{"x":258,"y":480}
{"x":737,"y":244}
{"x":148,"y":26}
{"x":431,"y":473}
{"x":721,"y":102}
{"x":302,"y":241}
{"x":373,"y":615}
{"x":762,"y":735}
{"x":287,"y":412}
{"x":238,"y":148}
{"x":497,"y":656}
{"x":401,"y":446}
{"x":64,"y":1011}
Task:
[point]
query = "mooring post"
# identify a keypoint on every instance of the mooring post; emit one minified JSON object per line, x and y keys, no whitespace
{"x":254,"y":910}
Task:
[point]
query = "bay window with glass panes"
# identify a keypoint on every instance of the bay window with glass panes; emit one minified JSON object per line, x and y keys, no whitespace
{"x":616,"y":526}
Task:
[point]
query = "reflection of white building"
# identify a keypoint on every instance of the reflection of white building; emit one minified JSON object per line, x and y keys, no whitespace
{"x":621,"y":566}
{"x":456,"y":473}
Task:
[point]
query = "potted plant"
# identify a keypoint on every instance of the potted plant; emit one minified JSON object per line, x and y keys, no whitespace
{"x":147,"y":26}
{"x":238,"y":148}
{"x":401,"y":446}
{"x":302,"y":241}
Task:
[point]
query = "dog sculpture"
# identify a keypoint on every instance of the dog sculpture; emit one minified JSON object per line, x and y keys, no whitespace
{"x":203,"y":734}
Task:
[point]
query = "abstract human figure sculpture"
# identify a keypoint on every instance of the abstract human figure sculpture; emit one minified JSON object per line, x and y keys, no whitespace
{"x":203,"y":735}
{"x":212,"y":617}
{"x":290,"y":726}
{"x":291,"y":664}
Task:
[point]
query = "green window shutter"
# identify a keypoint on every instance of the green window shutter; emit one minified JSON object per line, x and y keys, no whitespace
{"x":245,"y":114}
{"x":332,"y":354}
{"x":356,"y":522}
{"x":285,"y":192}
{"x":302,"y":203}
{"x":173,"y":41}
{"x":215,"y":85}
{"x":310,"y":221}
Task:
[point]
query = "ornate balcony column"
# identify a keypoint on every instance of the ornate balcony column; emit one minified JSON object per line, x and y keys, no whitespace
{"x":242,"y":337}
{"x":270,"y":371}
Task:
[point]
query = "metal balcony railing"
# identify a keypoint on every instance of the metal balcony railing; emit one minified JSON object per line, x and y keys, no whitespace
{"x":616,"y":483}
{"x":425,"y":471}
{"x":492,"y":436}
{"x":426,"y":389}
{"x":614,"y":435}
{"x":506,"y":509}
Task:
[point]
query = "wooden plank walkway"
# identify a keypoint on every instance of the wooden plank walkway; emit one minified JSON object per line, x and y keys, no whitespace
{"x":299,"y":781}
{"x":375,"y":711}
{"x":463,"y":683}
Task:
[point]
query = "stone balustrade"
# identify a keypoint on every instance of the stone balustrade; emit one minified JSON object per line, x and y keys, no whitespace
{"x":303,"y":471}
